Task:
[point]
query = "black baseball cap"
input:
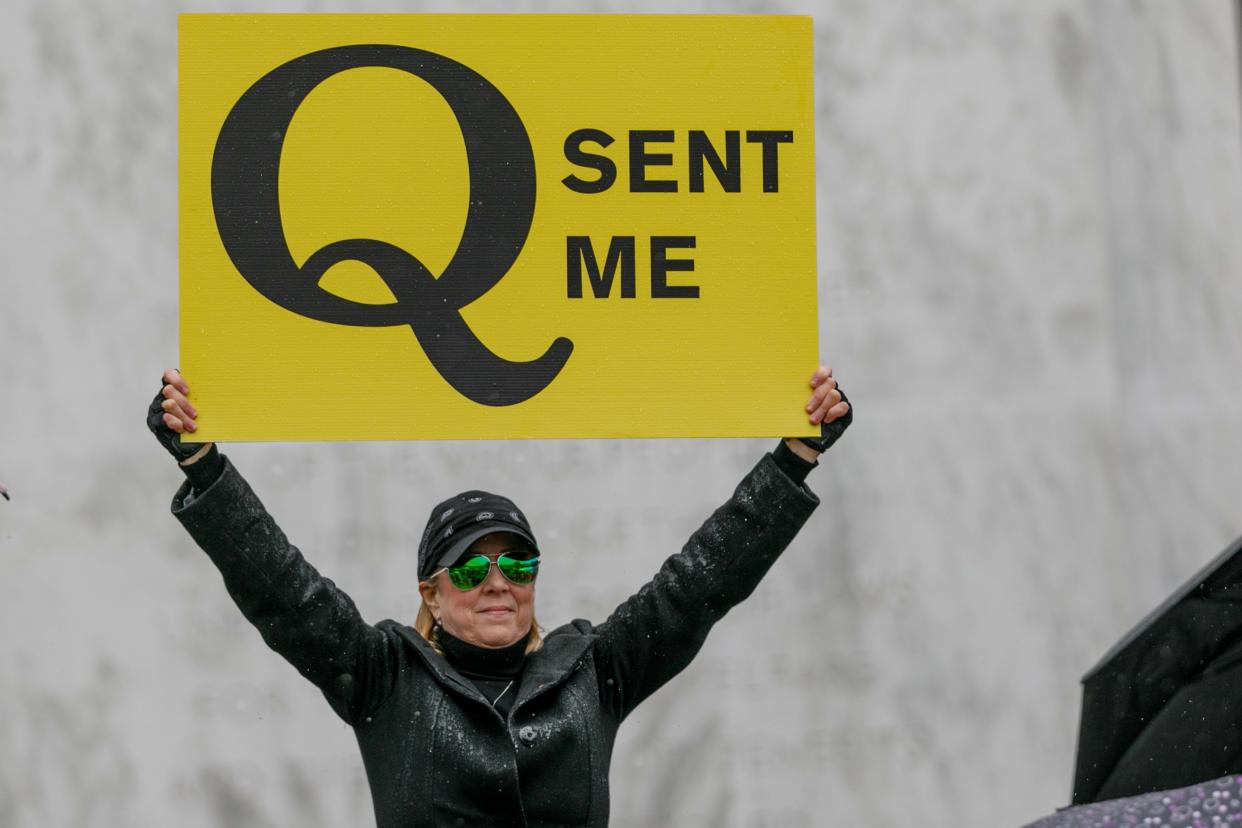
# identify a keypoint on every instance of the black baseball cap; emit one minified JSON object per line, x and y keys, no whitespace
{"x":463,"y":519}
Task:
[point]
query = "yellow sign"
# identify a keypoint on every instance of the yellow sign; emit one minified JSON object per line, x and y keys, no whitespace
{"x":473,"y":226}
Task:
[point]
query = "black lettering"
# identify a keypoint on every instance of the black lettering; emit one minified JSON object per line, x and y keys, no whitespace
{"x":728,"y":172}
{"x":661,"y":265}
{"x":771,"y":139}
{"x":244,"y":174}
{"x":578,"y":251}
{"x":640,"y":159}
{"x":579,"y":157}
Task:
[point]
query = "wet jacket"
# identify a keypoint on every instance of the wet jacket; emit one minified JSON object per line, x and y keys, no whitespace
{"x":435,"y":751}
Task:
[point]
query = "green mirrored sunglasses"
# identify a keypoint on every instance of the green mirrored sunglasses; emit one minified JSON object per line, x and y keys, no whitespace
{"x":472,"y":571}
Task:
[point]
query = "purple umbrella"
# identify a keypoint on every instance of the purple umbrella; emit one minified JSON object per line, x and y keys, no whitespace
{"x":1213,"y":804}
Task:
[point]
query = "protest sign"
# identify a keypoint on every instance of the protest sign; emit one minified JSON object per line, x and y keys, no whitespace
{"x":484,"y":226}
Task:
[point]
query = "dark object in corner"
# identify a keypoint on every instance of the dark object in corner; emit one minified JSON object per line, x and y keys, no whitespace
{"x":1163,"y":709}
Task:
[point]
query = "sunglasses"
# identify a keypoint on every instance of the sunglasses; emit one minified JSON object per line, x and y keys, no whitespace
{"x":469,"y":573}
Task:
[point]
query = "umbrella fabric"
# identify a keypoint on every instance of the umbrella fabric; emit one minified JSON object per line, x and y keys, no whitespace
{"x":1212,"y":804}
{"x":1163,"y":709}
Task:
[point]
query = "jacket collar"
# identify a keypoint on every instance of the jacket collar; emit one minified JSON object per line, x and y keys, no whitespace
{"x":561,"y":653}
{"x":437,"y":664}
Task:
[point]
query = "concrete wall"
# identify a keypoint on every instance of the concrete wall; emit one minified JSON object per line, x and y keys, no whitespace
{"x":1031,"y":280}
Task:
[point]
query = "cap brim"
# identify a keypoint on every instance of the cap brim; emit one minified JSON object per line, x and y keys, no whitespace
{"x":462,"y":543}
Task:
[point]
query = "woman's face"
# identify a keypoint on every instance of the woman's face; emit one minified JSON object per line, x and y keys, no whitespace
{"x":496,"y":613}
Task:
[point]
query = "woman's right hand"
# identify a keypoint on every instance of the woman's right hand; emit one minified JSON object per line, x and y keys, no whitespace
{"x":171,"y":413}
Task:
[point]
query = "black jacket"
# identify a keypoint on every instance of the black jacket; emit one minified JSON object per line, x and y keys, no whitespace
{"x":435,"y":752}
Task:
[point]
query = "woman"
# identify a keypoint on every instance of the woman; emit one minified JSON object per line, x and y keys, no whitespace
{"x":471,"y":717}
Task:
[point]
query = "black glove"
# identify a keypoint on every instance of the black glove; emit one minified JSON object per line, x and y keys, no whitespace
{"x":168,"y":438}
{"x":831,"y":432}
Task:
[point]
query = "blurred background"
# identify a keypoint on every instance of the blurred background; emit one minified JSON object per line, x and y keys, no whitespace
{"x":1030,"y":277}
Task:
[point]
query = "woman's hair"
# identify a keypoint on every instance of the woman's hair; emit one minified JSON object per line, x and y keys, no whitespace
{"x":425,"y":625}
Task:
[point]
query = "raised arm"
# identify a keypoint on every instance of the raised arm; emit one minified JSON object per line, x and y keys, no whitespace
{"x":300,"y":614}
{"x":654,"y":634}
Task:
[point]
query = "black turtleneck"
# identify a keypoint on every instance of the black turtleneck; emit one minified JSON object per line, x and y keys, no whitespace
{"x":495,"y":672}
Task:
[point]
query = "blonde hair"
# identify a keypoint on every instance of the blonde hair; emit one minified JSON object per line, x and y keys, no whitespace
{"x":425,"y":625}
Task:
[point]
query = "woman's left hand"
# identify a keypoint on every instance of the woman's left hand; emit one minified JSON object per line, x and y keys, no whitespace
{"x":829,"y":409}
{"x":826,"y":403}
